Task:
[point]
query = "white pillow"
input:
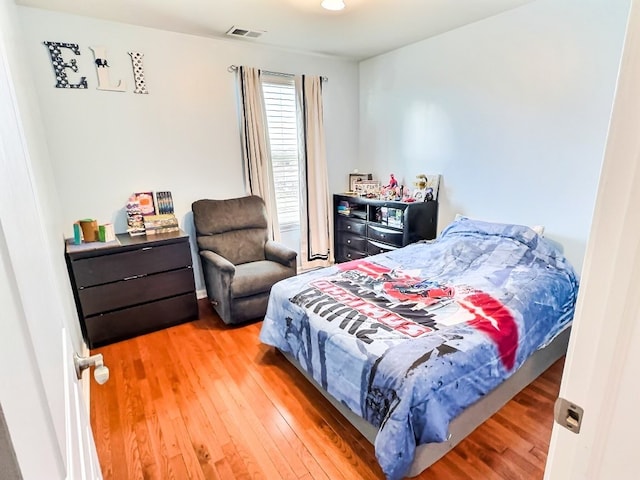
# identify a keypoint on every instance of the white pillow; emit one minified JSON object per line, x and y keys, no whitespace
{"x":539,"y":229}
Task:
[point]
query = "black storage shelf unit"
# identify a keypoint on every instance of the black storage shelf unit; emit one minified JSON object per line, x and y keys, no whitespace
{"x":364,"y":227}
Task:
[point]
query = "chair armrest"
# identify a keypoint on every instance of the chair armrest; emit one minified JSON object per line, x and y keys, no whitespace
{"x":218,"y":262}
{"x":218,"y":275}
{"x":277,"y":252}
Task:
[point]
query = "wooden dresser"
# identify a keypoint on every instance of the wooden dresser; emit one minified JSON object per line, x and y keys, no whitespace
{"x":132,"y":286}
{"x":364,"y":227}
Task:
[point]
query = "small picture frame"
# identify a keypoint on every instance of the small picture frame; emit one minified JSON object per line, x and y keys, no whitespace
{"x":358,"y":177}
{"x":164,"y":203}
{"x":433,"y":182}
{"x":367,"y":188}
{"x":146,"y":202}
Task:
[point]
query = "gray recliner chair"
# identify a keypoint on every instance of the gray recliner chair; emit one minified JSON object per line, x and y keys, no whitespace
{"x":239,"y":262}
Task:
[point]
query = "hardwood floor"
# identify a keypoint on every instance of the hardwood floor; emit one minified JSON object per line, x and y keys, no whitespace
{"x":206,"y":401}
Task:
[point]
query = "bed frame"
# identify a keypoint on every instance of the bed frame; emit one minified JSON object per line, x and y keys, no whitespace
{"x":473,"y":416}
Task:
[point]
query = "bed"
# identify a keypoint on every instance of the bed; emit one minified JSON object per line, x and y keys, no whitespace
{"x":419,"y":345}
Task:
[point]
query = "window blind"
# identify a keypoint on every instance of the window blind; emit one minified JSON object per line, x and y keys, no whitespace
{"x":280,"y":103}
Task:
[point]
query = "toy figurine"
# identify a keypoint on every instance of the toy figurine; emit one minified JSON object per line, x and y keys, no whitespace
{"x":422,"y":181}
{"x":422,"y":192}
{"x":393,"y":183}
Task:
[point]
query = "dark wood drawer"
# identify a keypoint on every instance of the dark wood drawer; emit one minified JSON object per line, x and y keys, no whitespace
{"x":386,"y":235}
{"x":127,"y":323}
{"x":346,"y":254}
{"x":117,"y":295}
{"x":353,"y":226}
{"x":374,"y":248}
{"x":354,"y":241}
{"x":118,"y":266}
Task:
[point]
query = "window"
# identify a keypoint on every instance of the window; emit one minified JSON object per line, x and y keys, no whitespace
{"x":280,"y":103}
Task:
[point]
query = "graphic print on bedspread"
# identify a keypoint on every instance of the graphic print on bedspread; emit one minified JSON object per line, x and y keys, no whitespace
{"x":373,"y":302}
{"x":381,"y":393}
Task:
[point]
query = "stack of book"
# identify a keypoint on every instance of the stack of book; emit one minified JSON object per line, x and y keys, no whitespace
{"x":163,"y":223}
{"x":135,"y":222}
{"x":344,"y":208}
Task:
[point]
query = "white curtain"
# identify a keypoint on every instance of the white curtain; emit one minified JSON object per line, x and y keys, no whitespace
{"x":315,"y":208}
{"x":256,"y":152}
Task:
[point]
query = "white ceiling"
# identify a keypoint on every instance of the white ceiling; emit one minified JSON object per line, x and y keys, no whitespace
{"x":363,"y":29}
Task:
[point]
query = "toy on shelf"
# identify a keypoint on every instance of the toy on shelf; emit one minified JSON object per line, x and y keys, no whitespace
{"x":392,"y":191}
{"x":392,"y":182}
{"x":422,"y":192}
{"x":407,"y":195}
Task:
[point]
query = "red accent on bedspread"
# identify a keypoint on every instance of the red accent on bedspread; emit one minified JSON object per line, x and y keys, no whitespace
{"x":493,"y":319}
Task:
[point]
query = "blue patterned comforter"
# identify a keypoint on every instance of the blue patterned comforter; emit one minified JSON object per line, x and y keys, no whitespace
{"x":410,"y":338}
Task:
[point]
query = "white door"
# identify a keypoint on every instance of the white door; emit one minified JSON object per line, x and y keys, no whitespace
{"x":40,"y":396}
{"x":603,"y":362}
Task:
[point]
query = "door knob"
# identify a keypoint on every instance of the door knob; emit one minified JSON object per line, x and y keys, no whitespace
{"x":100,"y":371}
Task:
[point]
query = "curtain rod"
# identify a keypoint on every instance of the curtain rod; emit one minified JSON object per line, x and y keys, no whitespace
{"x":233,"y":68}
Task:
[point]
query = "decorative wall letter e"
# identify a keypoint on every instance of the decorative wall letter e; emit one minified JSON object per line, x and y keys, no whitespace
{"x":102,"y":68}
{"x":138,"y":72}
{"x":59,"y":65}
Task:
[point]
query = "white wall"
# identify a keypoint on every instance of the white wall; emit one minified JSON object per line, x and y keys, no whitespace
{"x":512,"y":110}
{"x":183,"y":136}
{"x":42,"y":176}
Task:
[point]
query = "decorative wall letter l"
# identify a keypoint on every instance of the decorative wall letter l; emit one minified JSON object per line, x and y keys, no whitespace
{"x":104,"y":83}
{"x":138,"y":72}
{"x":59,"y":64}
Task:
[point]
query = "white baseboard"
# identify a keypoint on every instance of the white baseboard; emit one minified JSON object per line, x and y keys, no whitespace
{"x":201,"y":294}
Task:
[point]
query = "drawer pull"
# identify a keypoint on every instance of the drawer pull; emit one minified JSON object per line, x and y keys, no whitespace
{"x":146,"y":248}
{"x":131,"y":277}
{"x":348,"y":241}
{"x":348,"y":227}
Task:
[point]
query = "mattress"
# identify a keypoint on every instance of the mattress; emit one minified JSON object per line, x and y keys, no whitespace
{"x":410,"y":338}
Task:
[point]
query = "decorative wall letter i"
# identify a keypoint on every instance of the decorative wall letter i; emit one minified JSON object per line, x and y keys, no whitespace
{"x":138,"y":72}
{"x":59,"y":64}
{"x":102,"y":66}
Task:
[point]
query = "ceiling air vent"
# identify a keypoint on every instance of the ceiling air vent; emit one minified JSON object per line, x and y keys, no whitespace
{"x":244,"y":32}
